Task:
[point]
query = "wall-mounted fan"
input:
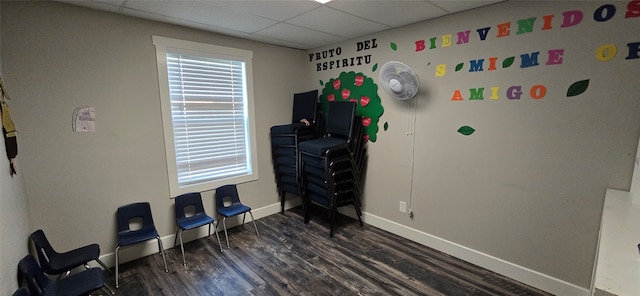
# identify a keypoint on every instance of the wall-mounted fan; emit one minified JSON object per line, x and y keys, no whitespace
{"x":399,"y":80}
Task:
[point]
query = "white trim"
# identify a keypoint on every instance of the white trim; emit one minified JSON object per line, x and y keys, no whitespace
{"x":522,"y":274}
{"x":497,"y":265}
{"x":164,"y":43}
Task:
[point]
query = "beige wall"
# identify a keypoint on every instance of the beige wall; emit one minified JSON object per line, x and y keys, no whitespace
{"x":57,"y":57}
{"x":15,"y":222}
{"x":528,"y":186}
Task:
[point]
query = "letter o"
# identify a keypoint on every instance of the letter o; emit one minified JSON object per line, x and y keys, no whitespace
{"x":538,"y":91}
{"x":609,"y":11}
{"x":338,"y":50}
{"x":606,"y":52}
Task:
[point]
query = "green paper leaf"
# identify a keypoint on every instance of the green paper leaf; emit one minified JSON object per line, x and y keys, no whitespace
{"x":321,"y":82}
{"x":459,"y":67}
{"x":375,"y":67}
{"x":394,"y":46}
{"x":386,"y":126}
{"x":508,"y":62}
{"x":578,"y":87}
{"x":466,"y":130}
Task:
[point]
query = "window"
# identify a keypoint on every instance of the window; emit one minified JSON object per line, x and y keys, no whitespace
{"x":207,"y":114}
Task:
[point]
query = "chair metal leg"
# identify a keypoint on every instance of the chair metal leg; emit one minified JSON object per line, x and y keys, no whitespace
{"x":162,"y":252}
{"x":184,"y":261}
{"x":111,"y":291}
{"x":175,"y":237}
{"x":108,"y":290}
{"x":218,"y":237}
{"x":117,"y":249}
{"x":104,"y":265}
{"x":254,"y":223}
{"x":224,"y":225}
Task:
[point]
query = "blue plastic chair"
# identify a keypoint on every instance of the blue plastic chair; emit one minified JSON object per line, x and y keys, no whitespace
{"x":187,"y":220}
{"x":229,"y":205}
{"x":81,"y":283}
{"x":22,"y":291}
{"x":55,"y":263}
{"x":127,"y":236}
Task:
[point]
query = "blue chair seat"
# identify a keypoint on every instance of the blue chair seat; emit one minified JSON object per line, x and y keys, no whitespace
{"x":194,"y":221}
{"x":129,"y":238}
{"x":320,"y":146}
{"x":286,"y":128}
{"x":234,"y":210}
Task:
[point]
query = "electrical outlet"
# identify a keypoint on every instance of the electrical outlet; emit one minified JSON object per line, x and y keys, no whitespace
{"x":403,"y":207}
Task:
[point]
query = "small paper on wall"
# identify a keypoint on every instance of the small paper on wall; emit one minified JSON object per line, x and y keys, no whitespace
{"x":84,"y":119}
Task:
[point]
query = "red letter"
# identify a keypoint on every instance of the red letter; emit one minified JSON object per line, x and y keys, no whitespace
{"x":555,"y":56}
{"x":571,"y":18}
{"x":492,"y":63}
{"x":456,"y":96}
{"x":633,"y":9}
{"x":538,"y":91}
{"x":419,"y":45}
{"x":547,"y":22}
{"x":503,"y":29}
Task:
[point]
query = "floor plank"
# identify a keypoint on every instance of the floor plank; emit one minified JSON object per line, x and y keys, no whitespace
{"x":293,"y":258}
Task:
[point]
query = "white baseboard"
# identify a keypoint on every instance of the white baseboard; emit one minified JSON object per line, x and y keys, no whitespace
{"x":149,"y":247}
{"x":497,"y":265}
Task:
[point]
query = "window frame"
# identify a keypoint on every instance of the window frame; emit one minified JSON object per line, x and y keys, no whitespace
{"x":171,"y":45}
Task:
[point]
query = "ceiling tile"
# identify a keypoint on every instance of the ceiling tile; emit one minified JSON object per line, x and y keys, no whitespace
{"x":106,"y":5}
{"x":284,"y":31}
{"x":335,"y":22}
{"x":391,"y":13}
{"x":457,"y":6}
{"x":204,"y":13}
{"x":279,"y":10}
{"x":181,"y":22}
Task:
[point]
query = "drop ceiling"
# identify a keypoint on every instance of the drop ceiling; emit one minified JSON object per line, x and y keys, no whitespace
{"x":301,"y":24}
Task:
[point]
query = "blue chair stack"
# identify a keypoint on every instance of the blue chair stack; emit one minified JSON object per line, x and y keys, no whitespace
{"x":285,"y":139}
{"x":331,"y":167}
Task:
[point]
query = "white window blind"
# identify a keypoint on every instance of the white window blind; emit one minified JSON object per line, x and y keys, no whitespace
{"x":206,"y":99}
{"x":209,"y":119}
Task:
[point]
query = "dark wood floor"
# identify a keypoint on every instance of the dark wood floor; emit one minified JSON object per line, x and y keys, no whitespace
{"x":293,"y":258}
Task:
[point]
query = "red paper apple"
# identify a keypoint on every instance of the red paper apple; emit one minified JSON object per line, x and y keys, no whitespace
{"x":336,"y":84}
{"x":331,"y":98}
{"x":345,"y":93}
{"x":364,"y":101}
{"x":366,"y":121}
{"x":359,"y":80}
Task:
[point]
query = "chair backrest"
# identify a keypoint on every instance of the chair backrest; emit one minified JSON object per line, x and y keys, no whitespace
{"x":37,"y":281}
{"x":44,"y":250}
{"x":305,"y":106}
{"x":21,"y":292}
{"x":340,"y":119}
{"x":226,"y":191}
{"x":188,"y":199}
{"x":140,"y":210}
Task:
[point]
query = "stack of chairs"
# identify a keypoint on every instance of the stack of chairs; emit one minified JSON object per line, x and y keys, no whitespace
{"x":285,"y":140}
{"x":332,"y":166}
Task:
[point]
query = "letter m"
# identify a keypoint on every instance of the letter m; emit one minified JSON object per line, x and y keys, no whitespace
{"x":529,"y":60}
{"x":476,"y":65}
{"x":476,"y":93}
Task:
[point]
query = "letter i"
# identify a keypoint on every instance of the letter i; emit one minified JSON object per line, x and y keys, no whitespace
{"x":494,"y":92}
